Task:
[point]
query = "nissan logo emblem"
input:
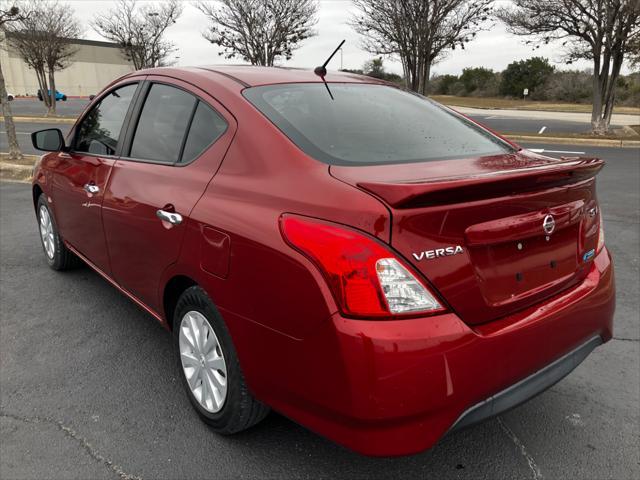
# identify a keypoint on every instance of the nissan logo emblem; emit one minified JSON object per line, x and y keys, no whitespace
{"x":548,"y":224}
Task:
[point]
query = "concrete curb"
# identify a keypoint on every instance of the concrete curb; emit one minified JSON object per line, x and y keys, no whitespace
{"x":605,"y":142}
{"x":15,"y":172}
{"x":65,"y":120}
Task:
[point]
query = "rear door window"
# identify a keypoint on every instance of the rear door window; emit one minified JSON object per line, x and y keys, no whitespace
{"x":162,"y":125}
{"x":206,"y":127}
{"x":99,"y":131}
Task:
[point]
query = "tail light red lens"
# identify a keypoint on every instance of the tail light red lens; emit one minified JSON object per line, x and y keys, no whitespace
{"x":367,"y":279}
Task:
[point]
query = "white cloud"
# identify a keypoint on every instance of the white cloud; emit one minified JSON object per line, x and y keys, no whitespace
{"x":494,"y":49}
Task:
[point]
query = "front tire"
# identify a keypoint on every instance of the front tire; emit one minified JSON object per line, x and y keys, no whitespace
{"x":58,"y":256}
{"x":210,"y":368}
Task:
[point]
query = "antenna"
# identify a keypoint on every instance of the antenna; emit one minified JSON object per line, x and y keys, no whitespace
{"x":321,"y":71}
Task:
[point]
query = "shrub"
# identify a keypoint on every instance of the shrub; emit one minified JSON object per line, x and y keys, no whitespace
{"x":566,"y":86}
{"x":477,"y":80}
{"x":531,"y":73}
{"x":443,"y":84}
{"x":375,"y":68}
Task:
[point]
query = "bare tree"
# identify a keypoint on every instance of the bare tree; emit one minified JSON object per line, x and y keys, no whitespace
{"x":603,"y":31}
{"x":634,"y":53}
{"x":139,"y":31}
{"x":419,"y":32}
{"x":9,"y":13}
{"x":44,"y":40}
{"x":259,"y":31}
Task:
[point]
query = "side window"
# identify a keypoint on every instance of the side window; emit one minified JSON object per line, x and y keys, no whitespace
{"x":162,"y":125}
{"x":99,"y":130}
{"x":206,"y":127}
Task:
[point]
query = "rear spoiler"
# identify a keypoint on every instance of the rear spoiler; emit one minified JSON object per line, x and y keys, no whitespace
{"x":444,"y":190}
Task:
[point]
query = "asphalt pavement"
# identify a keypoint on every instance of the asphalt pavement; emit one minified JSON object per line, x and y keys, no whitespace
{"x":90,"y":387}
{"x":33,"y":107}
{"x":24,"y":131}
{"x":495,"y":122}
{"x":529,"y":123}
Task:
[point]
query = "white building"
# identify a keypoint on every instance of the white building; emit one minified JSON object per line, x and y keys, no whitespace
{"x":94,"y":65}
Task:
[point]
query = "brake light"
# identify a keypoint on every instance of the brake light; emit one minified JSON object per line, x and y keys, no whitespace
{"x":600,"y":233}
{"x":366,"y":278}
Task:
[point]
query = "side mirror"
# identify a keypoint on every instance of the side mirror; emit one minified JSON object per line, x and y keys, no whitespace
{"x":49,"y":140}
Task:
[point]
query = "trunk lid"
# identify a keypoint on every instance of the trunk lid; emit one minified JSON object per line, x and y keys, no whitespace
{"x":494,"y":234}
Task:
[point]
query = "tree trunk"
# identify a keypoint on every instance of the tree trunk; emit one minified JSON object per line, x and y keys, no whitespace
{"x":52,"y":97}
{"x":610,"y":93}
{"x":14,"y":147}
{"x":413,"y":74}
{"x":425,"y":77}
{"x":405,"y":70}
{"x":42,"y":83}
{"x":596,"y":112}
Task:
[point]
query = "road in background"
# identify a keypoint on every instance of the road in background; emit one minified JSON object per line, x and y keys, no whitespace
{"x":34,"y":108}
{"x":530,"y":126}
{"x":24,"y":130}
{"x":500,"y":122}
{"x":90,"y":386}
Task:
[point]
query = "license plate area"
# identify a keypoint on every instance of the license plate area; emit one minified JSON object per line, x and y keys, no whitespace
{"x":509,"y":271}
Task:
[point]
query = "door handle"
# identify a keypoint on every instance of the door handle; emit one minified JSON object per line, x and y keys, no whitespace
{"x":91,"y":188}
{"x":171,"y":217}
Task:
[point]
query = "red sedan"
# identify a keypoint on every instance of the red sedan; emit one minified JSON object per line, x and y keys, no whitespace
{"x":363,"y":260}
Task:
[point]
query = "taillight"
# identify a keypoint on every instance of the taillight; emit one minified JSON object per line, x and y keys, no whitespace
{"x":366,"y":278}
{"x":600,"y":233}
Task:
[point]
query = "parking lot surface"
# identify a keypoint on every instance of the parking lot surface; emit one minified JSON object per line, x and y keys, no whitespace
{"x":34,"y":107}
{"x":74,"y":106}
{"x":89,"y":387}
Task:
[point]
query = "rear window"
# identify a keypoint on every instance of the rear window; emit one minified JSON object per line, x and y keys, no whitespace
{"x":370,"y":124}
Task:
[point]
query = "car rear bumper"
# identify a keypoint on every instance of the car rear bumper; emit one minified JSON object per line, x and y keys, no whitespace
{"x":388,"y":388}
{"x":527,"y":388}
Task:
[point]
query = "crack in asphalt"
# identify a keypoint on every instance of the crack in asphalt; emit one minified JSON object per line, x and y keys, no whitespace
{"x":72,"y":434}
{"x":533,"y":466}
{"x":623,"y":339}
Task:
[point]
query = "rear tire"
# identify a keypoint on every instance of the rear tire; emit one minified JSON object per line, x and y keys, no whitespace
{"x":205,"y":353}
{"x":58,"y":256}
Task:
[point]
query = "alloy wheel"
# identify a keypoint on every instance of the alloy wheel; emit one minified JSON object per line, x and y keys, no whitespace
{"x":46,"y":232}
{"x":203,"y":361}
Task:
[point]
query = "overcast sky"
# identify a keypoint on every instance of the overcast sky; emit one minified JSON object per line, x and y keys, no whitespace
{"x":493,"y":49}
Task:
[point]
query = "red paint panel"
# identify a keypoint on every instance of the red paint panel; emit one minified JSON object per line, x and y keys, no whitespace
{"x":215,"y":248}
{"x":396,"y":386}
{"x":78,"y":212}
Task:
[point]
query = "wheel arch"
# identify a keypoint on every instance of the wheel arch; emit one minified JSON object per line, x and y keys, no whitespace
{"x":172,"y":291}
{"x":36,"y":192}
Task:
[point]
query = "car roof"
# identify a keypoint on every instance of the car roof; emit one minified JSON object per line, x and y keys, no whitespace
{"x":251,"y":76}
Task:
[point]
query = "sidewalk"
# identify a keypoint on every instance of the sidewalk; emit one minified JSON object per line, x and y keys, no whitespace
{"x":616,"y":119}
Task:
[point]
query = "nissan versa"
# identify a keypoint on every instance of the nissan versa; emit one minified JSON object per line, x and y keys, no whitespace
{"x":369,"y":263}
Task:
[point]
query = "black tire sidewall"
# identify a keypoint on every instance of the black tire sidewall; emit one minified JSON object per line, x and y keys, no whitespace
{"x":196,"y":299}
